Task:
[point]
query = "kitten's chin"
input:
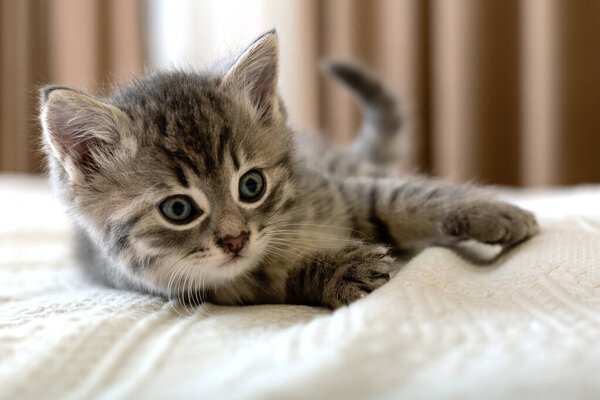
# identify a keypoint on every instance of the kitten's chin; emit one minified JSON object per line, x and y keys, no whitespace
{"x":217,"y":273}
{"x":231,"y":268}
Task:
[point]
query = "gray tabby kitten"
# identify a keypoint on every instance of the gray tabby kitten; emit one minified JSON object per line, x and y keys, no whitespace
{"x":192,"y":186}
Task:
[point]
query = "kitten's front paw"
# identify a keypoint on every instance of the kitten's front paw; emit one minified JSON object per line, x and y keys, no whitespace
{"x":360,"y":269}
{"x":490,"y":221}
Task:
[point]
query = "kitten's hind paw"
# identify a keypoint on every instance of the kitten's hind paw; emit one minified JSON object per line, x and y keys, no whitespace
{"x":360,"y":269}
{"x":490,"y":221}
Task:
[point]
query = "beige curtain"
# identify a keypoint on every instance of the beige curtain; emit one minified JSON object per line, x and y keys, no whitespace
{"x":87,"y":44}
{"x":501,"y":91}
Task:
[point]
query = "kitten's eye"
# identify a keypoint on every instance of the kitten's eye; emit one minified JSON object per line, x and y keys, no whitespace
{"x":252,"y":185}
{"x":179,"y":209}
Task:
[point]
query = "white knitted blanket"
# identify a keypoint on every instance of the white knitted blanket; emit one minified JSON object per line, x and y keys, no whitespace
{"x":527,"y":326}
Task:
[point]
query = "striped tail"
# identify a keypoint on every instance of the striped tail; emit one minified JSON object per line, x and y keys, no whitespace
{"x":377,"y":140}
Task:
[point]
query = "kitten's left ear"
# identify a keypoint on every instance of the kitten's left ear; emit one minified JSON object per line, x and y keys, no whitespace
{"x":83,"y":133}
{"x":255,"y":73}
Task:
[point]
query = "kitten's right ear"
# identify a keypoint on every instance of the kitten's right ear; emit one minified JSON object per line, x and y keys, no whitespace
{"x":254,"y":73}
{"x":80,"y":131}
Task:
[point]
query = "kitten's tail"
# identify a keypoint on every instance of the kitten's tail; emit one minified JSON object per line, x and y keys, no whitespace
{"x":378,"y":137}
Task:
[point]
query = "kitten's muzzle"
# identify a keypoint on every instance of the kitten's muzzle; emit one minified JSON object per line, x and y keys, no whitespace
{"x":233,"y":244}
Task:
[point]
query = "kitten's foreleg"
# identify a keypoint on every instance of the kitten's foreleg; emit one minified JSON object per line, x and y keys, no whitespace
{"x":411,"y":212}
{"x":333,"y":279}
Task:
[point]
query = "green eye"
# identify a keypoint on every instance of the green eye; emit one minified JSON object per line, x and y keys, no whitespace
{"x":252,"y":185}
{"x":178,"y":209}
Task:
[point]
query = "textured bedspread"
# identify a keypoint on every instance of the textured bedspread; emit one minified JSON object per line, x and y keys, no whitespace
{"x":526,"y":326}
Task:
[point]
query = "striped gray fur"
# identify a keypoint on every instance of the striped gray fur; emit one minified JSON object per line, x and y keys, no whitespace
{"x":378,"y":139}
{"x":321,"y":230}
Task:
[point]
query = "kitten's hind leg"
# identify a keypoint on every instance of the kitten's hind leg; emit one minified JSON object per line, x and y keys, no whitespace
{"x":334,"y":279}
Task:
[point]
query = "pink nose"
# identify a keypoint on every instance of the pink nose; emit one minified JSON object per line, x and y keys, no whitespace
{"x":234,"y":244}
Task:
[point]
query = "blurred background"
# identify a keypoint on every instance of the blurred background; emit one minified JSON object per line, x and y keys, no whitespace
{"x":498,"y":91}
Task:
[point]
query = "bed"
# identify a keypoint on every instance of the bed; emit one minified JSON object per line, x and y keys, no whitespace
{"x":525,"y":326}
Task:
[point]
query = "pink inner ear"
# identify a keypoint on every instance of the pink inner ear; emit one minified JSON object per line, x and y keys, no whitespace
{"x":255,"y":73}
{"x":71,"y":138}
{"x":84,"y":159}
{"x":263,"y":91}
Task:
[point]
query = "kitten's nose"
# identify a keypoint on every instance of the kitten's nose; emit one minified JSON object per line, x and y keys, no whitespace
{"x":234,"y":244}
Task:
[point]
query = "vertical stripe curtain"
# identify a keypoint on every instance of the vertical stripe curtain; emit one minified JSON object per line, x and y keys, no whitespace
{"x":499,"y":91}
{"x":87,"y":44}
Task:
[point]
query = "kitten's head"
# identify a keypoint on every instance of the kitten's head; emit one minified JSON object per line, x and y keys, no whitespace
{"x":178,"y":174}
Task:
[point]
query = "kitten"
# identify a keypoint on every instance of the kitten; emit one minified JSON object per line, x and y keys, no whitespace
{"x":193,"y":187}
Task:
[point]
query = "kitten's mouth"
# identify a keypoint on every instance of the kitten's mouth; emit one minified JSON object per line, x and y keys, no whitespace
{"x":232,"y":261}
